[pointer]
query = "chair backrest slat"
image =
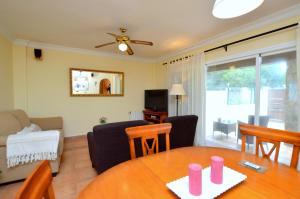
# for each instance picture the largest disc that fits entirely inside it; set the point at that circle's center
(39, 184)
(146, 133)
(274, 136)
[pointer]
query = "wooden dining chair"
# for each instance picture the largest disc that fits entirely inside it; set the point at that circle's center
(273, 136)
(147, 133)
(39, 184)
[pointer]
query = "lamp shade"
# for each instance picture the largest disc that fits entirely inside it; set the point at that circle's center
(225, 9)
(177, 89)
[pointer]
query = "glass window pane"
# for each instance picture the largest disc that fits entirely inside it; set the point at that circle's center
(278, 92)
(278, 97)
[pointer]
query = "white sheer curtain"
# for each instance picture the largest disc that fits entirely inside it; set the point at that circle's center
(189, 72)
(298, 68)
(298, 77)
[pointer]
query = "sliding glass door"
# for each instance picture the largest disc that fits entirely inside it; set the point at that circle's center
(230, 99)
(278, 91)
(261, 90)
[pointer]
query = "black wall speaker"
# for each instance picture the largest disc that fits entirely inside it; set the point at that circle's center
(38, 53)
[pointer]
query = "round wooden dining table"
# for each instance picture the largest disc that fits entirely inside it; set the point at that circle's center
(146, 177)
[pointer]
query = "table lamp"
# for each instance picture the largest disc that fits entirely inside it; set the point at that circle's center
(177, 89)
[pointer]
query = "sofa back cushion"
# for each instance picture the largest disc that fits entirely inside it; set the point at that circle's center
(22, 117)
(48, 123)
(9, 124)
(183, 130)
(110, 145)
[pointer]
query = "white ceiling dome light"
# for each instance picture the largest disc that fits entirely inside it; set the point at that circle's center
(225, 9)
(122, 47)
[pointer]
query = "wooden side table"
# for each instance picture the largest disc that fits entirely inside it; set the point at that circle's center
(155, 116)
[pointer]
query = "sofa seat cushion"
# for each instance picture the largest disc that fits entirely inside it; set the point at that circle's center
(3, 139)
(22, 117)
(9, 124)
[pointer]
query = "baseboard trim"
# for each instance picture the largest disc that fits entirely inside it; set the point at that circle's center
(75, 137)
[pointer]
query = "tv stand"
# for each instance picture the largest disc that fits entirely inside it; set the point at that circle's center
(154, 116)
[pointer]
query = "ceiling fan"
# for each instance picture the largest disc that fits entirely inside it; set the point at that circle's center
(123, 42)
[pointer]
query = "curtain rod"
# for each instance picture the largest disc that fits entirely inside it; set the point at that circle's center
(178, 59)
(225, 46)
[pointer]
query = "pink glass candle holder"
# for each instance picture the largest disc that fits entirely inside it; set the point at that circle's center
(195, 179)
(216, 172)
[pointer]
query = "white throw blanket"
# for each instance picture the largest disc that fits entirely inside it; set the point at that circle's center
(28, 147)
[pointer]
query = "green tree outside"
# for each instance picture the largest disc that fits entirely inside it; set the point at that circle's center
(271, 76)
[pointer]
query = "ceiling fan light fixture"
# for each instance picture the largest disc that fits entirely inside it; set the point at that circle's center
(123, 41)
(225, 9)
(122, 46)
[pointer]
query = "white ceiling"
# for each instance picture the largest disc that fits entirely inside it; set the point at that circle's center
(171, 24)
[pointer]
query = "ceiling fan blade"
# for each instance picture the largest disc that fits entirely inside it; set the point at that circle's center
(99, 46)
(112, 34)
(149, 43)
(129, 49)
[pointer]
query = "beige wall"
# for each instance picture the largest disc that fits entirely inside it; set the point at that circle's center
(262, 42)
(6, 82)
(161, 76)
(258, 43)
(42, 88)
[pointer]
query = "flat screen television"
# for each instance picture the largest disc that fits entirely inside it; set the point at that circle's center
(156, 100)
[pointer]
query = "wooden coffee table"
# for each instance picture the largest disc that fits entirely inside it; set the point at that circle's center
(146, 177)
